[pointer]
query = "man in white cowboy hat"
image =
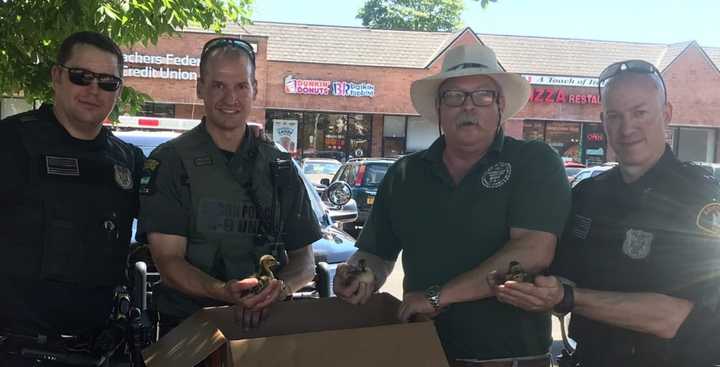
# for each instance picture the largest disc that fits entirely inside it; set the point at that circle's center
(473, 202)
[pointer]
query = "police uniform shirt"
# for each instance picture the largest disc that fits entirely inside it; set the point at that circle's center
(67, 208)
(168, 207)
(658, 234)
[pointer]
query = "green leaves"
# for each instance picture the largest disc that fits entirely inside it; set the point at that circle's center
(415, 15)
(32, 31)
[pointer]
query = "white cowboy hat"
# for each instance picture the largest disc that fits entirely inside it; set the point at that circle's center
(466, 61)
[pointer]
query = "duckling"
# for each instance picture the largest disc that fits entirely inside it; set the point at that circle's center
(361, 272)
(265, 275)
(517, 273)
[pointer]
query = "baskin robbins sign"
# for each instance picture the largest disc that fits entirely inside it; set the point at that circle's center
(340, 88)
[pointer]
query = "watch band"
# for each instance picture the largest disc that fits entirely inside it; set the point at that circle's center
(567, 303)
(432, 294)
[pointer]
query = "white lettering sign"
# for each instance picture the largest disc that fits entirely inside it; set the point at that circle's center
(568, 81)
(167, 59)
(161, 73)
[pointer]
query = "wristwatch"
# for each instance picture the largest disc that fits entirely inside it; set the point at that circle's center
(432, 294)
(568, 301)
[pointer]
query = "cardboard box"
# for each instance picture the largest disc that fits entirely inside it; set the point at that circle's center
(303, 333)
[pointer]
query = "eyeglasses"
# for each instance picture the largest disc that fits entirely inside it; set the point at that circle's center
(456, 98)
(228, 42)
(629, 66)
(79, 76)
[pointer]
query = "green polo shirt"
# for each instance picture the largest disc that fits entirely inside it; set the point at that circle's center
(445, 230)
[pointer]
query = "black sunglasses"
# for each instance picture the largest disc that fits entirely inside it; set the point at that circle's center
(106, 82)
(630, 66)
(228, 42)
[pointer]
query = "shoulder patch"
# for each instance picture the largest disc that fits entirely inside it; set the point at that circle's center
(147, 181)
(708, 219)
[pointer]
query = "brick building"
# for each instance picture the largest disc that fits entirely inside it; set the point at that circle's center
(330, 90)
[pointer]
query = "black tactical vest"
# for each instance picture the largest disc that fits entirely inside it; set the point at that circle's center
(71, 220)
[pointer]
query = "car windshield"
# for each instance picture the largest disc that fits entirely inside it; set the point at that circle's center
(374, 174)
(572, 171)
(145, 140)
(320, 168)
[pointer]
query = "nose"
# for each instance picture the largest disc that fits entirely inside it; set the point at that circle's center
(229, 96)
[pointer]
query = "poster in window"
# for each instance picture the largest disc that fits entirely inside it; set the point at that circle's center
(285, 134)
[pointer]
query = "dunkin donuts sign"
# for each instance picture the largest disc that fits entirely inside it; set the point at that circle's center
(340, 88)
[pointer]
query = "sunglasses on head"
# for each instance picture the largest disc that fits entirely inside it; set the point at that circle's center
(228, 42)
(629, 66)
(79, 76)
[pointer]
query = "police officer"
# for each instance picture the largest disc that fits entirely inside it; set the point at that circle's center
(68, 195)
(207, 202)
(640, 257)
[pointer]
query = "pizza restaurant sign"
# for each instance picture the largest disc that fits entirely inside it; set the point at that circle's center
(559, 95)
(339, 88)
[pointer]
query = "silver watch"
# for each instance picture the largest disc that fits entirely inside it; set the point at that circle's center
(432, 294)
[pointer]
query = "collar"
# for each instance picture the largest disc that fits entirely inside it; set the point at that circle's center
(666, 164)
(435, 152)
(100, 141)
(246, 148)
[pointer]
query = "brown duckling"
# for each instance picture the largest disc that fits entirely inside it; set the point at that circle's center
(517, 273)
(265, 274)
(361, 272)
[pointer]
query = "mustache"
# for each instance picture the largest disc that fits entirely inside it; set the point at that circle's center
(466, 119)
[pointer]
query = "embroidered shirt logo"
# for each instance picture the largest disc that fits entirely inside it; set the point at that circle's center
(497, 175)
(708, 219)
(637, 244)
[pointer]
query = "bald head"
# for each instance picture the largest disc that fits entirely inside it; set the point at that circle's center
(650, 83)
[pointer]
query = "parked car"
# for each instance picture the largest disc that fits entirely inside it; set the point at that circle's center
(572, 168)
(712, 168)
(316, 169)
(591, 172)
(364, 176)
(333, 248)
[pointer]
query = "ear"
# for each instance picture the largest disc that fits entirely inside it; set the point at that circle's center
(667, 114)
(501, 104)
(56, 75)
(254, 84)
(198, 88)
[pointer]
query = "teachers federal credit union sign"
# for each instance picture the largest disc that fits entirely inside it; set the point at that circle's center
(339, 88)
(167, 66)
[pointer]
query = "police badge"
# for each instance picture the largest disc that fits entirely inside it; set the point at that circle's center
(497, 175)
(637, 244)
(123, 177)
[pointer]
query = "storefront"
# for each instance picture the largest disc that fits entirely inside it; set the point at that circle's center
(344, 91)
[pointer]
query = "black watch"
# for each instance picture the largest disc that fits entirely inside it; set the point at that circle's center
(568, 301)
(432, 294)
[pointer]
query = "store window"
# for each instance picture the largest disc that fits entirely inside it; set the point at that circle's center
(394, 128)
(695, 144)
(534, 130)
(420, 134)
(284, 128)
(13, 106)
(152, 109)
(359, 135)
(564, 137)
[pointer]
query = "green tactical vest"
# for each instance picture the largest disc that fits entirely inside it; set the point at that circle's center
(224, 236)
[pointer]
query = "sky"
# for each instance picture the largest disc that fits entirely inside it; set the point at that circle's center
(651, 21)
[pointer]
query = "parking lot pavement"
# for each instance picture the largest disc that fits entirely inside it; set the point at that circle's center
(393, 285)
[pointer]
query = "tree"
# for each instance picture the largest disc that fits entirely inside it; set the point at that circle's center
(32, 32)
(415, 15)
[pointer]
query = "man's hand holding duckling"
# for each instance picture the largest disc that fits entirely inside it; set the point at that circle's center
(252, 308)
(353, 286)
(542, 295)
